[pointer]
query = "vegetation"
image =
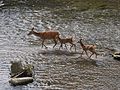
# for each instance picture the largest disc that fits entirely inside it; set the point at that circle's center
(68, 9)
(76, 4)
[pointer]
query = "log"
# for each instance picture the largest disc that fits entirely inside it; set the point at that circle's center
(116, 55)
(21, 81)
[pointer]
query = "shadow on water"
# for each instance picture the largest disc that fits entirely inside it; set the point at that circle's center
(85, 62)
(59, 52)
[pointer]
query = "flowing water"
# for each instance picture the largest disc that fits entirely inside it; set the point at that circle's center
(63, 69)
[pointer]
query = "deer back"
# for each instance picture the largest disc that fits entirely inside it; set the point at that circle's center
(49, 35)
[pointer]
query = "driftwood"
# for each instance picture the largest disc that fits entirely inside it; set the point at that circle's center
(116, 55)
(21, 81)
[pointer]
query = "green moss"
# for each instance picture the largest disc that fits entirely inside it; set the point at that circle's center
(79, 4)
(68, 9)
(94, 4)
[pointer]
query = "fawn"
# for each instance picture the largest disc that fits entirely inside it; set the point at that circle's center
(45, 35)
(86, 48)
(66, 40)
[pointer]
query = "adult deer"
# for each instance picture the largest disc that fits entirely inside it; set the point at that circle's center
(65, 41)
(46, 35)
(86, 48)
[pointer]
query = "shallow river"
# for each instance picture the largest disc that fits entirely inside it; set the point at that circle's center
(63, 69)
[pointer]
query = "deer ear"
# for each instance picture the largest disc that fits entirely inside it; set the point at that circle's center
(81, 38)
(32, 28)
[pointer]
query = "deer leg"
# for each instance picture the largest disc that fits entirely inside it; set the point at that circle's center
(55, 43)
(71, 46)
(82, 53)
(96, 54)
(43, 43)
(60, 46)
(65, 46)
(91, 55)
(75, 47)
(93, 52)
(86, 53)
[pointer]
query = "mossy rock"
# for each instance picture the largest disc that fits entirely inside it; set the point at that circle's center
(20, 70)
(16, 68)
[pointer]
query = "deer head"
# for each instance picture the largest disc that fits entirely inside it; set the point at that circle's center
(31, 32)
(80, 40)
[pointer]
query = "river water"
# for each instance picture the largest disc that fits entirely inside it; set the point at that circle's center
(63, 69)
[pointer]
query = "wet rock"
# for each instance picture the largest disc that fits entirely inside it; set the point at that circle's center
(16, 68)
(116, 55)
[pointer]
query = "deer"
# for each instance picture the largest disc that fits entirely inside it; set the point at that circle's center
(65, 41)
(46, 35)
(86, 48)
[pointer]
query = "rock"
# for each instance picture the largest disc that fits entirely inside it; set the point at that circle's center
(20, 70)
(16, 68)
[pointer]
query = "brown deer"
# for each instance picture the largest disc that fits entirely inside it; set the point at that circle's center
(66, 40)
(86, 48)
(45, 35)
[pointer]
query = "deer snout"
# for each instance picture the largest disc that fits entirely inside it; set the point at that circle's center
(29, 33)
(78, 41)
